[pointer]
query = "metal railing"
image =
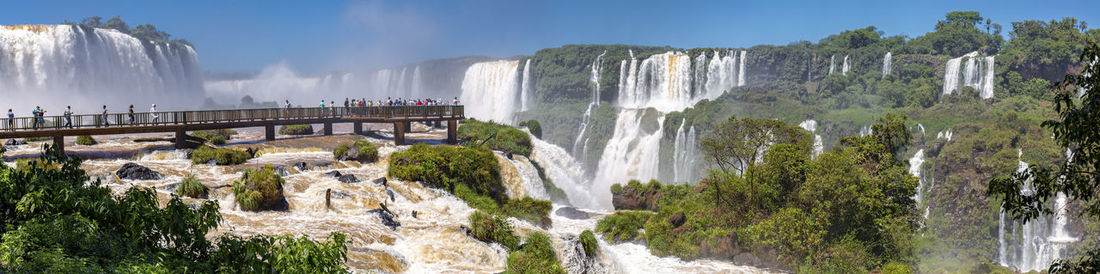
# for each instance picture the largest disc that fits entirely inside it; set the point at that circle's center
(223, 116)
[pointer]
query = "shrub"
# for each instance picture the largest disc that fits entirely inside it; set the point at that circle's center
(215, 136)
(260, 190)
(493, 228)
(191, 187)
(535, 256)
(220, 156)
(446, 167)
(532, 126)
(496, 136)
(896, 268)
(623, 225)
(85, 140)
(588, 241)
(368, 152)
(36, 139)
(529, 209)
(296, 130)
(616, 189)
(340, 152)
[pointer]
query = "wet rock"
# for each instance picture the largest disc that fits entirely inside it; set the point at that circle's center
(301, 166)
(636, 199)
(677, 220)
(172, 187)
(380, 181)
(132, 171)
(281, 170)
(465, 229)
(336, 194)
(390, 192)
(334, 173)
(509, 155)
(414, 215)
(347, 179)
(572, 213)
(14, 142)
(386, 217)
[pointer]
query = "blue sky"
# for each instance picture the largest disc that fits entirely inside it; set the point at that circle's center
(318, 36)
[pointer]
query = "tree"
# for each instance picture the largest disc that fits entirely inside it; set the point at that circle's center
(94, 21)
(117, 24)
(1078, 177)
(735, 146)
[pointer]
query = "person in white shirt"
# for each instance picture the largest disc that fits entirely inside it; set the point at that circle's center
(11, 120)
(153, 113)
(69, 116)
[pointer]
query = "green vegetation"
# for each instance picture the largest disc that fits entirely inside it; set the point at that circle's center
(296, 130)
(532, 126)
(557, 195)
(58, 220)
(493, 228)
(37, 139)
(146, 33)
(362, 151)
(624, 225)
(589, 242)
(535, 256)
(260, 190)
(191, 187)
(216, 136)
(220, 156)
(1077, 177)
(529, 209)
(496, 136)
(85, 140)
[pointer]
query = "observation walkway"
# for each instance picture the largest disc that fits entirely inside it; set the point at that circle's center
(181, 122)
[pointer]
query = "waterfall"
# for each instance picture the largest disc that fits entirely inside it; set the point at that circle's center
(699, 78)
(631, 153)
(979, 74)
(575, 260)
(915, 164)
(846, 67)
(721, 74)
(886, 63)
(525, 180)
(564, 171)
(491, 89)
(866, 130)
(417, 83)
(525, 87)
(832, 64)
(921, 128)
(819, 145)
(580, 144)
(944, 135)
(1035, 244)
(741, 70)
(684, 154)
(39, 63)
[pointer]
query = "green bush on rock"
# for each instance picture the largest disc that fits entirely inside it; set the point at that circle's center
(535, 256)
(296, 130)
(493, 228)
(589, 242)
(85, 140)
(529, 209)
(496, 136)
(191, 187)
(220, 156)
(447, 167)
(532, 126)
(260, 190)
(623, 225)
(215, 136)
(362, 151)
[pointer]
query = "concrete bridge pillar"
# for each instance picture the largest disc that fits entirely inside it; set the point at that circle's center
(408, 126)
(328, 128)
(357, 128)
(452, 132)
(59, 143)
(399, 133)
(269, 132)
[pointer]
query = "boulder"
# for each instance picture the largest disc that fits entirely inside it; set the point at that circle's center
(334, 173)
(386, 217)
(15, 142)
(636, 199)
(281, 170)
(347, 179)
(677, 220)
(301, 166)
(572, 213)
(132, 171)
(381, 181)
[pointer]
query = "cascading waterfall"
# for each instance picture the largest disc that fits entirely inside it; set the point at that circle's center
(915, 164)
(832, 64)
(741, 70)
(886, 62)
(978, 74)
(721, 74)
(525, 87)
(417, 83)
(580, 144)
(1035, 244)
(684, 154)
(39, 63)
(819, 145)
(492, 87)
(844, 70)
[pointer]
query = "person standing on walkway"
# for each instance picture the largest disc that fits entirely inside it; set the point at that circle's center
(131, 114)
(105, 122)
(153, 113)
(11, 120)
(34, 119)
(288, 104)
(69, 117)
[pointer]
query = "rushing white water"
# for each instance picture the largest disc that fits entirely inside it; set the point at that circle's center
(631, 153)
(886, 62)
(1035, 244)
(521, 179)
(844, 69)
(417, 85)
(684, 155)
(526, 93)
(663, 81)
(721, 74)
(832, 64)
(978, 74)
(39, 63)
(944, 134)
(492, 89)
(915, 164)
(580, 143)
(819, 145)
(564, 171)
(741, 72)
